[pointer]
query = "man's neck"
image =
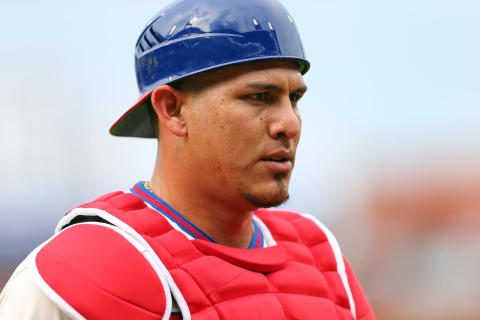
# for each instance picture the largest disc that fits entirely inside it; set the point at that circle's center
(220, 220)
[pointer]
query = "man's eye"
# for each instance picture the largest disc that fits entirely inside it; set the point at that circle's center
(262, 96)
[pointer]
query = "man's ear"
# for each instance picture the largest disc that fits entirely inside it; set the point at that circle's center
(167, 103)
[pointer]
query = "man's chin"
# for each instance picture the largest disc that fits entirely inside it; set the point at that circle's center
(267, 201)
(271, 194)
(264, 203)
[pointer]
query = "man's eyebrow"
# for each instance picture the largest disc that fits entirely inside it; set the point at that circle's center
(273, 87)
(262, 86)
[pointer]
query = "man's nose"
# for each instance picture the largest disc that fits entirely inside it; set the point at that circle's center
(286, 121)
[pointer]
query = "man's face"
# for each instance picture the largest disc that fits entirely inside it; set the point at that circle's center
(243, 131)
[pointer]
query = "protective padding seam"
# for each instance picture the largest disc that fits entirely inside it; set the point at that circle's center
(276, 297)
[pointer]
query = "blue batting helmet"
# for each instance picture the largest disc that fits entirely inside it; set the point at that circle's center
(192, 36)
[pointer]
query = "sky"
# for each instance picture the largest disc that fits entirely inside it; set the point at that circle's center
(393, 85)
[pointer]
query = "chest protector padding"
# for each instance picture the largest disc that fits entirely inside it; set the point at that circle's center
(296, 279)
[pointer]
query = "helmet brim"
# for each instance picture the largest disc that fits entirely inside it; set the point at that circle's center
(136, 122)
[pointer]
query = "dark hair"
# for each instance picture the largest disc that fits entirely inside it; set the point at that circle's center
(191, 84)
(179, 85)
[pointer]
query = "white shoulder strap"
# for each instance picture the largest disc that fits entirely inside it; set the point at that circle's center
(339, 258)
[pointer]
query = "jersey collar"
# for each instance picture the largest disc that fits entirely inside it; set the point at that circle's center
(183, 223)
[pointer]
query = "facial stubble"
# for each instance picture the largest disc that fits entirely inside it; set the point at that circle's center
(281, 196)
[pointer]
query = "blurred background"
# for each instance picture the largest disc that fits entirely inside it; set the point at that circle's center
(389, 157)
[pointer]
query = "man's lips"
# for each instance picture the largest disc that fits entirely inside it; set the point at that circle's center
(279, 161)
(279, 155)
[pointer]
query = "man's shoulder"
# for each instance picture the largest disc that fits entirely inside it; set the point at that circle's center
(124, 210)
(115, 200)
(99, 262)
(21, 297)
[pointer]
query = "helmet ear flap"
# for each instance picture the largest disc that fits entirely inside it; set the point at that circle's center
(193, 36)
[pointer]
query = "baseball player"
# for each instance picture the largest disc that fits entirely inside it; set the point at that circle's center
(220, 83)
